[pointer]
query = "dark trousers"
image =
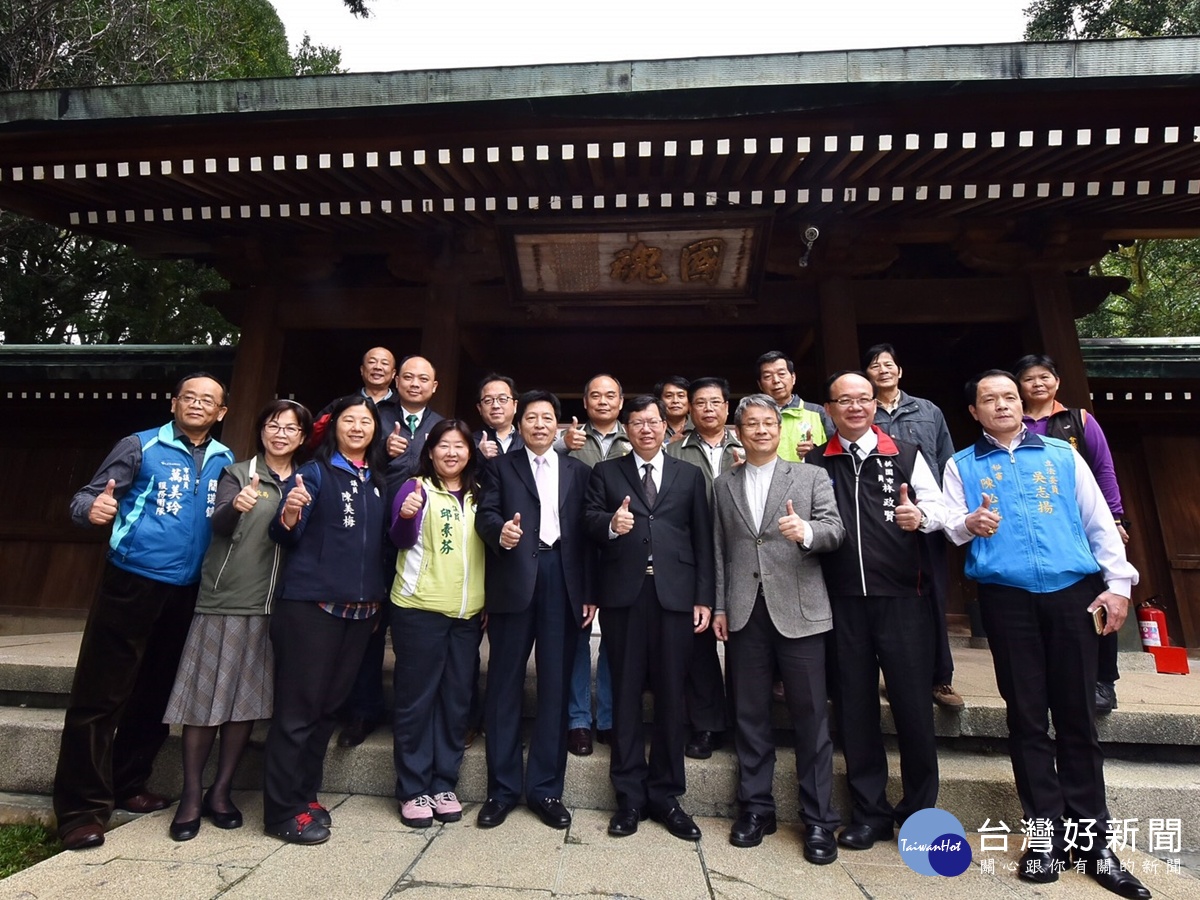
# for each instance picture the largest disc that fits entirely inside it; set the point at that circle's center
(547, 627)
(435, 663)
(114, 727)
(894, 634)
(753, 654)
(365, 700)
(1044, 651)
(316, 656)
(934, 545)
(647, 643)
(705, 689)
(1106, 662)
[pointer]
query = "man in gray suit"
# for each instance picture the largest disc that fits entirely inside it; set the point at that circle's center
(771, 519)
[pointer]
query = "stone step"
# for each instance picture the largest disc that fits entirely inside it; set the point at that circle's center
(1162, 710)
(974, 785)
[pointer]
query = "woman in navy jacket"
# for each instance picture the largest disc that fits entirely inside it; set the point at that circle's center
(333, 520)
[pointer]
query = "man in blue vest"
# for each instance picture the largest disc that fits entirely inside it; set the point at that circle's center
(157, 489)
(1053, 576)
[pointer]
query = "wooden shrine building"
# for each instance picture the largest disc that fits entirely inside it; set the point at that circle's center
(654, 218)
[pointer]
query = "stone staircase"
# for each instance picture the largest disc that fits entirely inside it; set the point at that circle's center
(1152, 742)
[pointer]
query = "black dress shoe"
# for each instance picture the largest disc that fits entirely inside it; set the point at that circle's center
(230, 819)
(1105, 869)
(551, 811)
(1106, 698)
(1040, 866)
(702, 744)
(625, 822)
(750, 827)
(678, 823)
(184, 831)
(863, 837)
(820, 846)
(144, 802)
(579, 741)
(604, 735)
(493, 813)
(84, 837)
(356, 732)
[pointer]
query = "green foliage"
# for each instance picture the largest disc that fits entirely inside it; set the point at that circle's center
(58, 286)
(358, 8)
(1051, 20)
(1163, 298)
(21, 846)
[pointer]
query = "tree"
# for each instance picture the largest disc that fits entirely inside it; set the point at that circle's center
(58, 286)
(1163, 298)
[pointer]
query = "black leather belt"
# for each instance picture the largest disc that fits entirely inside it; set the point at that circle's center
(542, 545)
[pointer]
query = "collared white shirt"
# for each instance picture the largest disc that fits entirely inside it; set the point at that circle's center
(713, 454)
(549, 529)
(758, 483)
(405, 412)
(656, 467)
(866, 443)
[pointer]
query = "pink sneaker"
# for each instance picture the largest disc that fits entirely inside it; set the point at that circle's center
(417, 812)
(446, 807)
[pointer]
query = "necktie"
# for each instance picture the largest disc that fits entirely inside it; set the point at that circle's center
(856, 450)
(648, 487)
(548, 531)
(412, 424)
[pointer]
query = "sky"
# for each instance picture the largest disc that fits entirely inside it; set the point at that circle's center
(453, 34)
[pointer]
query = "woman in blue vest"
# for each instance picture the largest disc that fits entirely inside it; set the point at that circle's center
(332, 521)
(437, 622)
(224, 677)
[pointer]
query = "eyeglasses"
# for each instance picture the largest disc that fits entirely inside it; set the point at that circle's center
(708, 404)
(193, 400)
(498, 400)
(644, 424)
(276, 428)
(847, 402)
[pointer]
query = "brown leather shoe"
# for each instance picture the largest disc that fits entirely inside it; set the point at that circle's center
(579, 741)
(946, 697)
(84, 837)
(144, 802)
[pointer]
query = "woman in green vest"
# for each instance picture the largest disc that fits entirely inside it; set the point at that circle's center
(437, 622)
(225, 674)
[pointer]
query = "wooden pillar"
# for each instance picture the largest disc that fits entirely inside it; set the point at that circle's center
(839, 325)
(255, 370)
(1054, 324)
(440, 342)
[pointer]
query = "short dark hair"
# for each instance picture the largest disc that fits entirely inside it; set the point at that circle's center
(709, 381)
(1031, 361)
(194, 375)
(836, 375)
(772, 356)
(971, 389)
(494, 376)
(273, 410)
(470, 473)
(538, 396)
(877, 350)
(643, 402)
(587, 384)
(672, 381)
(376, 454)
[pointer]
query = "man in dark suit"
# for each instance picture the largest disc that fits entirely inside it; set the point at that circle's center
(539, 584)
(773, 611)
(650, 515)
(497, 407)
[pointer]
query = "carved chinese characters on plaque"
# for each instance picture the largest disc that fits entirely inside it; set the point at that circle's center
(638, 263)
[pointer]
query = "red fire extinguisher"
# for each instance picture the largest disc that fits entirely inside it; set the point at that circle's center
(1152, 623)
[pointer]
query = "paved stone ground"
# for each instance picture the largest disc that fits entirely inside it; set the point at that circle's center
(373, 855)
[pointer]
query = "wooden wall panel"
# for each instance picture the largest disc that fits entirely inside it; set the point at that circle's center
(1173, 464)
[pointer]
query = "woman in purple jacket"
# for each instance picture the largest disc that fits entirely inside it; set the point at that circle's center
(1038, 380)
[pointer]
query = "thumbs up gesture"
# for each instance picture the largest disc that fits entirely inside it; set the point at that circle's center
(413, 502)
(908, 515)
(247, 496)
(573, 437)
(293, 506)
(792, 526)
(622, 520)
(738, 459)
(984, 521)
(510, 534)
(396, 442)
(489, 449)
(104, 507)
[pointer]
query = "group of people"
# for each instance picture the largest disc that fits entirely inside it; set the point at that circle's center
(803, 537)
